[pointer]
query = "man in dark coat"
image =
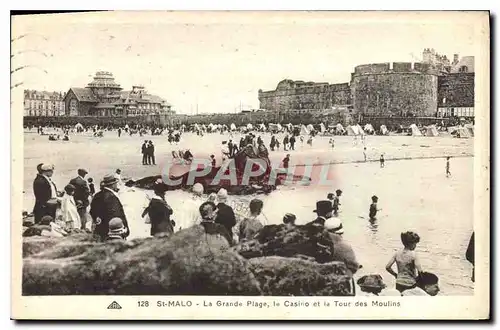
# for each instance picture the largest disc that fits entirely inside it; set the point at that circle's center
(151, 153)
(230, 148)
(144, 149)
(292, 142)
(45, 193)
(159, 213)
(225, 214)
(81, 195)
(105, 206)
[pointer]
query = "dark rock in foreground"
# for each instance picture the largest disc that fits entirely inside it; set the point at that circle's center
(189, 263)
(305, 242)
(280, 276)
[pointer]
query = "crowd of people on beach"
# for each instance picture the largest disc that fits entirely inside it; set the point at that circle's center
(80, 208)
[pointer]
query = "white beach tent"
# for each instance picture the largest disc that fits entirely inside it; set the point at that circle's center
(249, 127)
(368, 129)
(196, 127)
(340, 129)
(451, 129)
(78, 126)
(233, 127)
(322, 128)
(470, 127)
(262, 127)
(383, 130)
(360, 130)
(431, 131)
(280, 128)
(310, 128)
(415, 131)
(304, 130)
(350, 130)
(463, 132)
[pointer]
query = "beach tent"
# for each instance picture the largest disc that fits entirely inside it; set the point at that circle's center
(350, 130)
(360, 130)
(340, 129)
(310, 128)
(368, 129)
(463, 132)
(233, 127)
(322, 128)
(383, 130)
(470, 127)
(78, 126)
(451, 129)
(249, 127)
(414, 130)
(262, 127)
(196, 127)
(304, 130)
(431, 131)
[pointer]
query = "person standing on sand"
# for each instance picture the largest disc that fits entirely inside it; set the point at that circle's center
(448, 173)
(364, 153)
(407, 262)
(81, 195)
(119, 131)
(144, 150)
(292, 142)
(285, 143)
(382, 161)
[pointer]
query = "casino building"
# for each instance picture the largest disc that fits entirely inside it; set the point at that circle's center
(105, 97)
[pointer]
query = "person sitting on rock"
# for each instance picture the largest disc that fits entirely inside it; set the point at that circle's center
(289, 221)
(116, 230)
(250, 225)
(208, 212)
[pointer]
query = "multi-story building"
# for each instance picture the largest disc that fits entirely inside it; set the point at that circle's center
(104, 97)
(42, 103)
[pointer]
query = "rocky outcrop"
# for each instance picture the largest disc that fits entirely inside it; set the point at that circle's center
(188, 263)
(279, 276)
(304, 242)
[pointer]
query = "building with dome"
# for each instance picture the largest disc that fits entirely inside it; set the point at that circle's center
(104, 97)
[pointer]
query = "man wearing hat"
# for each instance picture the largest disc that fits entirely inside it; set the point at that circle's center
(159, 212)
(81, 195)
(105, 206)
(45, 193)
(324, 210)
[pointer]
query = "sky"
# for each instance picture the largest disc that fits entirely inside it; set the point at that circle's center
(213, 62)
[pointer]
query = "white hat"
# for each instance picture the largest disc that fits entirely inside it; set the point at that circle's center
(197, 188)
(222, 194)
(47, 167)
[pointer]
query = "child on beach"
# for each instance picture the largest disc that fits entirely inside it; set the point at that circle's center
(373, 209)
(407, 263)
(69, 211)
(91, 186)
(382, 161)
(448, 173)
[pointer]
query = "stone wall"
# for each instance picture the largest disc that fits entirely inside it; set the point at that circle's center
(456, 90)
(301, 95)
(400, 91)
